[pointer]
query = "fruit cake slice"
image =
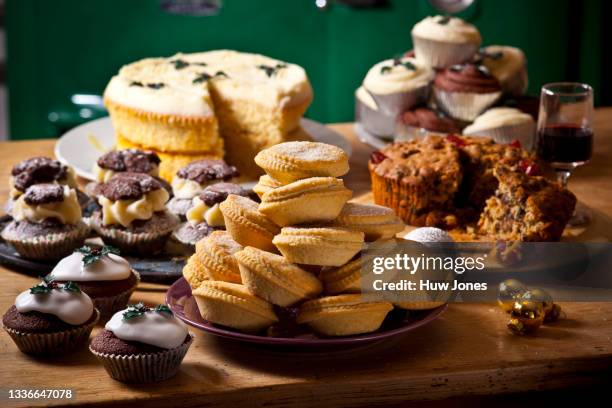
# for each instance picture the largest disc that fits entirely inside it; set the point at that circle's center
(526, 208)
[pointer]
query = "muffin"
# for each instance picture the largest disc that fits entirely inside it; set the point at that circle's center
(508, 65)
(50, 319)
(133, 217)
(102, 274)
(418, 179)
(205, 216)
(419, 122)
(192, 179)
(389, 88)
(46, 222)
(504, 125)
(465, 91)
(142, 344)
(441, 41)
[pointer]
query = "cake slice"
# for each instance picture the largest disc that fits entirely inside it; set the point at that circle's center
(526, 208)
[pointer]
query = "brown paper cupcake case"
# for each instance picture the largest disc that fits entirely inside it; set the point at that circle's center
(52, 246)
(40, 343)
(110, 305)
(140, 368)
(441, 54)
(144, 243)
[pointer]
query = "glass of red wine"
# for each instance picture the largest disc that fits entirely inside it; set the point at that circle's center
(565, 133)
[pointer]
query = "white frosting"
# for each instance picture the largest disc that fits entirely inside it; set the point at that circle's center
(103, 175)
(181, 96)
(154, 328)
(366, 98)
(109, 267)
(498, 117)
(428, 234)
(67, 211)
(397, 78)
(200, 212)
(71, 307)
(455, 31)
(511, 62)
(123, 212)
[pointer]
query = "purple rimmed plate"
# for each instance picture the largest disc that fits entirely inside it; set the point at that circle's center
(398, 322)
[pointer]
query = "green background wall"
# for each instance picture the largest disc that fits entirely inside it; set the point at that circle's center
(64, 47)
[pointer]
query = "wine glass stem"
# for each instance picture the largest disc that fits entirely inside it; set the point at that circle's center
(562, 177)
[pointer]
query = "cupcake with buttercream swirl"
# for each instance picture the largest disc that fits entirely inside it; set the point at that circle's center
(464, 91)
(508, 65)
(389, 88)
(504, 125)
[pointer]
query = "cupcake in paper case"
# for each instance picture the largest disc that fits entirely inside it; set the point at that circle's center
(508, 65)
(465, 91)
(133, 217)
(422, 121)
(442, 41)
(504, 125)
(107, 278)
(47, 222)
(192, 179)
(389, 88)
(141, 344)
(51, 319)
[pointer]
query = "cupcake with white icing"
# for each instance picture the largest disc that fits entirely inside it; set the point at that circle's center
(133, 217)
(142, 344)
(106, 277)
(51, 318)
(508, 65)
(389, 88)
(504, 125)
(47, 222)
(442, 41)
(192, 179)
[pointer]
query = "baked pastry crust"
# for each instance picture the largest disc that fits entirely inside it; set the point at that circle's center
(246, 224)
(292, 161)
(375, 221)
(232, 305)
(272, 278)
(344, 279)
(265, 184)
(315, 199)
(343, 315)
(324, 246)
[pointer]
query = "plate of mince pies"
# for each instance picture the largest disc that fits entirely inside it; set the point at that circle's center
(286, 270)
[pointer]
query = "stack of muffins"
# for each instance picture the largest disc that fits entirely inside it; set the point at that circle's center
(446, 83)
(297, 250)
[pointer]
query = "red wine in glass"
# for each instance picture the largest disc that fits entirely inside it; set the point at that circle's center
(565, 145)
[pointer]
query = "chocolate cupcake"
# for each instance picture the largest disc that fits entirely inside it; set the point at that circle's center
(192, 179)
(504, 125)
(46, 222)
(508, 65)
(130, 160)
(389, 88)
(204, 216)
(141, 344)
(133, 217)
(106, 277)
(420, 122)
(442, 41)
(50, 318)
(465, 91)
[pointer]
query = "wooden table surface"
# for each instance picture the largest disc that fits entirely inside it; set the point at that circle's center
(468, 351)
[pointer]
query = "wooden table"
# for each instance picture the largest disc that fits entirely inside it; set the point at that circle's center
(467, 352)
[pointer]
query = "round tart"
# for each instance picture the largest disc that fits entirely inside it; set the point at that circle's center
(141, 344)
(315, 199)
(246, 224)
(441, 41)
(133, 216)
(345, 279)
(272, 278)
(265, 184)
(47, 222)
(232, 305)
(343, 315)
(375, 221)
(292, 161)
(51, 319)
(102, 274)
(327, 246)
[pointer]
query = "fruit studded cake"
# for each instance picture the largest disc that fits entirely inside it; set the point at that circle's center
(209, 104)
(453, 181)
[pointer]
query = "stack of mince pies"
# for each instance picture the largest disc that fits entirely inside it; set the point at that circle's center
(296, 251)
